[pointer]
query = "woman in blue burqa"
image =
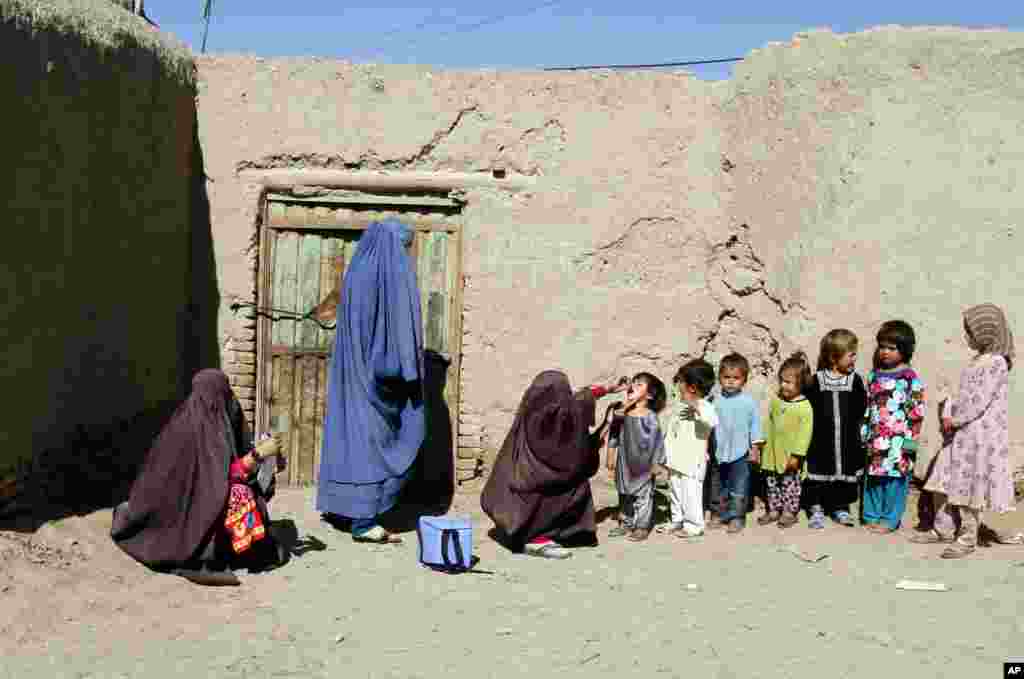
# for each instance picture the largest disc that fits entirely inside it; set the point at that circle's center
(374, 423)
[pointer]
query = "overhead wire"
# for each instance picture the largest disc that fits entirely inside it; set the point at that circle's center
(475, 25)
(665, 64)
(498, 18)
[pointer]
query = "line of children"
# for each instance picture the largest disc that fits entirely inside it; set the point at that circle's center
(827, 435)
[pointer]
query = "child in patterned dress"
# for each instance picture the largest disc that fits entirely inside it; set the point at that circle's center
(892, 427)
(973, 473)
(788, 434)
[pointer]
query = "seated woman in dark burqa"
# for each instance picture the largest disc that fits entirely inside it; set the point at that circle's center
(375, 421)
(195, 508)
(538, 494)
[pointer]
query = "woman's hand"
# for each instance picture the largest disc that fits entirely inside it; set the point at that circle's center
(617, 387)
(792, 464)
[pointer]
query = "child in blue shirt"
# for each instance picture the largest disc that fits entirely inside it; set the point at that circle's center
(738, 441)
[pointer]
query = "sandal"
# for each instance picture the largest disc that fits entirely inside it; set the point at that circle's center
(929, 538)
(1017, 539)
(639, 535)
(957, 550)
(378, 536)
(547, 550)
(208, 578)
(844, 519)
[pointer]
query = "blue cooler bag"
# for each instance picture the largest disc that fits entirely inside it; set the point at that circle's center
(446, 543)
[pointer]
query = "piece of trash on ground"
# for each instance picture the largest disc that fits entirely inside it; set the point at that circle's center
(915, 586)
(805, 557)
(692, 587)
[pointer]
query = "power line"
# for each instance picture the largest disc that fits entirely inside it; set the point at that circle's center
(661, 65)
(482, 23)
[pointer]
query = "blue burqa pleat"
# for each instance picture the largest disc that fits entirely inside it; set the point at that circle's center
(374, 423)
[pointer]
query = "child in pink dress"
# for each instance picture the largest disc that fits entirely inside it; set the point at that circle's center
(972, 472)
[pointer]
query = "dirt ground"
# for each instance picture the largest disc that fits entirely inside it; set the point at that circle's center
(73, 605)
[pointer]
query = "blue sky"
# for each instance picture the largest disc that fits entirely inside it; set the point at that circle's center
(534, 33)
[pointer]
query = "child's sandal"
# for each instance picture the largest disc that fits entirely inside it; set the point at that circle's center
(639, 535)
(787, 520)
(957, 551)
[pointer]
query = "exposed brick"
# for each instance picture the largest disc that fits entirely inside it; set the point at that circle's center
(469, 453)
(243, 380)
(470, 466)
(243, 345)
(247, 393)
(469, 441)
(245, 357)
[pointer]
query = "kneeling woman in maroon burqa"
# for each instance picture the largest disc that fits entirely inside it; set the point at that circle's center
(195, 508)
(538, 494)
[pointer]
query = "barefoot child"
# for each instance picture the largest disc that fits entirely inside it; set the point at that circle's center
(687, 429)
(633, 453)
(892, 427)
(738, 441)
(972, 474)
(835, 459)
(788, 435)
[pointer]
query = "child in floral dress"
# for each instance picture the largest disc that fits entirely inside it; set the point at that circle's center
(892, 427)
(972, 474)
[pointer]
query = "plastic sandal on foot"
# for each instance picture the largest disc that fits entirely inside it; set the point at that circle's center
(929, 538)
(548, 550)
(378, 536)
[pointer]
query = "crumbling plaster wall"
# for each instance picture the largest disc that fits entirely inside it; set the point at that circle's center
(835, 181)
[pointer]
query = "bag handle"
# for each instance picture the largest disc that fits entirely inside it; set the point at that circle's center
(446, 538)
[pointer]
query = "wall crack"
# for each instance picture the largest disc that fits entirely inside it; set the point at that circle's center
(367, 160)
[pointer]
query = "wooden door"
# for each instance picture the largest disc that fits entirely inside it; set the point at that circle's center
(305, 266)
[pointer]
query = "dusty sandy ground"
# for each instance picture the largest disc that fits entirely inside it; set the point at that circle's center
(74, 606)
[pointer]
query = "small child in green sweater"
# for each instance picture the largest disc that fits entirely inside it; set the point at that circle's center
(788, 435)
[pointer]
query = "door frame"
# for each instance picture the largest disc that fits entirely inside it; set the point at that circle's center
(355, 211)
